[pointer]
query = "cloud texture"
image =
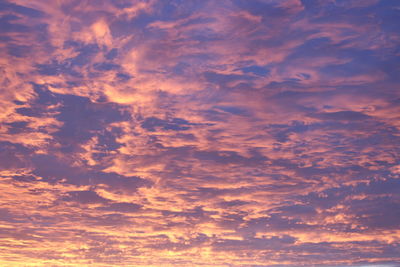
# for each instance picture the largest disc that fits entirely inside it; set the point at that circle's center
(199, 133)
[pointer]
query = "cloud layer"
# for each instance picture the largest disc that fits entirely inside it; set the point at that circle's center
(199, 133)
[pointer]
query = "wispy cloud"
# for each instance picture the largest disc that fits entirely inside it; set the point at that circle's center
(199, 133)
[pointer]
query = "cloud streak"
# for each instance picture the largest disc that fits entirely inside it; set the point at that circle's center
(199, 133)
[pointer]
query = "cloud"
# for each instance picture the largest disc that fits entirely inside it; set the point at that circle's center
(188, 133)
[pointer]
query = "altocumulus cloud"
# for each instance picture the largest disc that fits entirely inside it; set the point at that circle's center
(199, 133)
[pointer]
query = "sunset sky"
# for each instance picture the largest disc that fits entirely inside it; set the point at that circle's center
(187, 133)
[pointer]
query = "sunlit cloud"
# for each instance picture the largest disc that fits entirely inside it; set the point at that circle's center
(199, 133)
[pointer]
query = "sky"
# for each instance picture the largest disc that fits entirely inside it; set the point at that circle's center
(226, 133)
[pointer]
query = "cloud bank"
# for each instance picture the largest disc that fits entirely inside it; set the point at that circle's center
(199, 133)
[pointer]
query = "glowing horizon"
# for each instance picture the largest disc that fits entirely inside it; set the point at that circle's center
(200, 133)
